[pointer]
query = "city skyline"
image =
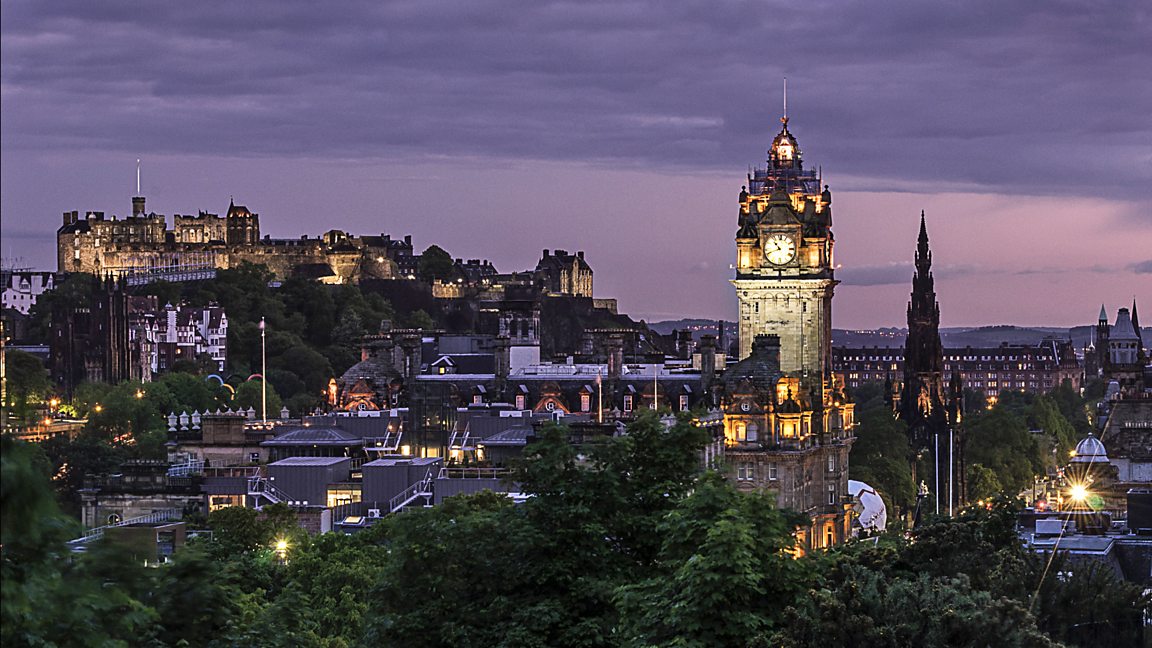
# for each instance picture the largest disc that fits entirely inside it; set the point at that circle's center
(623, 130)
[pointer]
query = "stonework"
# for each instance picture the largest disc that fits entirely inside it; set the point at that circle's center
(143, 244)
(787, 423)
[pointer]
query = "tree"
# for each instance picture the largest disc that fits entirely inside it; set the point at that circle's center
(28, 382)
(880, 457)
(866, 609)
(435, 263)
(419, 319)
(982, 483)
(250, 395)
(724, 565)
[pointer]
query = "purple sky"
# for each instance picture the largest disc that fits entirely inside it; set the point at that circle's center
(624, 129)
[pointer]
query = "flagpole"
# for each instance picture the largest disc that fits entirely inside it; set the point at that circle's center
(263, 376)
(936, 476)
(951, 464)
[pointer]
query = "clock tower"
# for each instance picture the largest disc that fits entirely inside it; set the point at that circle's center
(787, 422)
(784, 273)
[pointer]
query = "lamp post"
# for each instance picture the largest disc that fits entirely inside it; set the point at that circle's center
(263, 376)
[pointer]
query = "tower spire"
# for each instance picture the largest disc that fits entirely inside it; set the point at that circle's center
(137, 176)
(785, 100)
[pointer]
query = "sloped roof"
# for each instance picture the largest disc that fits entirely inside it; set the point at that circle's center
(315, 436)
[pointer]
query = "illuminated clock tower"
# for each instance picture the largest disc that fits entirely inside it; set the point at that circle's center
(784, 272)
(787, 422)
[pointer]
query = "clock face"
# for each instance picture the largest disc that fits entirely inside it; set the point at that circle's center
(779, 249)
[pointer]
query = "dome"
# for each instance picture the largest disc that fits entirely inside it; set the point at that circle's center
(1090, 450)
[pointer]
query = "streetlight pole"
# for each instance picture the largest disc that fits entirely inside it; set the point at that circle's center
(936, 475)
(263, 376)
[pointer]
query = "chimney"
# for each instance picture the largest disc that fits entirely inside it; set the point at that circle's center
(545, 253)
(408, 240)
(138, 206)
(580, 254)
(707, 361)
(767, 347)
(615, 356)
(503, 354)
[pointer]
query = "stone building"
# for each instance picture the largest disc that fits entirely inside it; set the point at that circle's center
(1118, 352)
(90, 339)
(560, 273)
(142, 245)
(787, 422)
(991, 370)
(22, 287)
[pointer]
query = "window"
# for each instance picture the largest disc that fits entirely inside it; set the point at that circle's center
(585, 402)
(773, 471)
(628, 402)
(477, 399)
(683, 402)
(831, 494)
(745, 472)
(831, 463)
(829, 537)
(520, 401)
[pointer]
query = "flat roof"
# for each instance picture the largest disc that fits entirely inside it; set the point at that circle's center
(310, 461)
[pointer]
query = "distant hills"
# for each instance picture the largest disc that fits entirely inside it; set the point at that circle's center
(952, 337)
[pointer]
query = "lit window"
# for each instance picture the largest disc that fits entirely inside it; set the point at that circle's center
(831, 463)
(831, 494)
(628, 403)
(684, 403)
(585, 402)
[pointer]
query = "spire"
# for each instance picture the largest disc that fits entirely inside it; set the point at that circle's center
(784, 119)
(1104, 314)
(923, 253)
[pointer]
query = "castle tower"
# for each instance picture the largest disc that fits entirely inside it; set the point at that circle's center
(922, 397)
(242, 227)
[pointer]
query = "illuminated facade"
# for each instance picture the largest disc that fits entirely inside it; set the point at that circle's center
(788, 426)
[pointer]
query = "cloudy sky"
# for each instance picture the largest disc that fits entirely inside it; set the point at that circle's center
(498, 128)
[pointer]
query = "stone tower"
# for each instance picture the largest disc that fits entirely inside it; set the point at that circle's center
(787, 424)
(784, 272)
(923, 397)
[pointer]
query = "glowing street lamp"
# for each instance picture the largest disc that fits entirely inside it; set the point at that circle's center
(1078, 493)
(281, 548)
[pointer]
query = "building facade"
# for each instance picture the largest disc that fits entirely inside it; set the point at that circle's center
(22, 287)
(990, 370)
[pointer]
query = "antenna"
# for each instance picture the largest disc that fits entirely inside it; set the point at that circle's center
(137, 176)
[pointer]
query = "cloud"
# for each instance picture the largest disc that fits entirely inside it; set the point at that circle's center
(1025, 97)
(1143, 267)
(877, 275)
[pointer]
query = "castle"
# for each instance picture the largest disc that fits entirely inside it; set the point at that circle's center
(141, 246)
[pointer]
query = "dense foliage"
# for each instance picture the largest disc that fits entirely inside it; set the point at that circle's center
(623, 543)
(1007, 444)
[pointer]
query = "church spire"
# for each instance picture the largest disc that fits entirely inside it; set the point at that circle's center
(1104, 314)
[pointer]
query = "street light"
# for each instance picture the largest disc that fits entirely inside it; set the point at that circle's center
(1078, 493)
(281, 548)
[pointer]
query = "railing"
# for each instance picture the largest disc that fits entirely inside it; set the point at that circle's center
(190, 467)
(260, 487)
(459, 439)
(418, 489)
(390, 442)
(96, 533)
(473, 472)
